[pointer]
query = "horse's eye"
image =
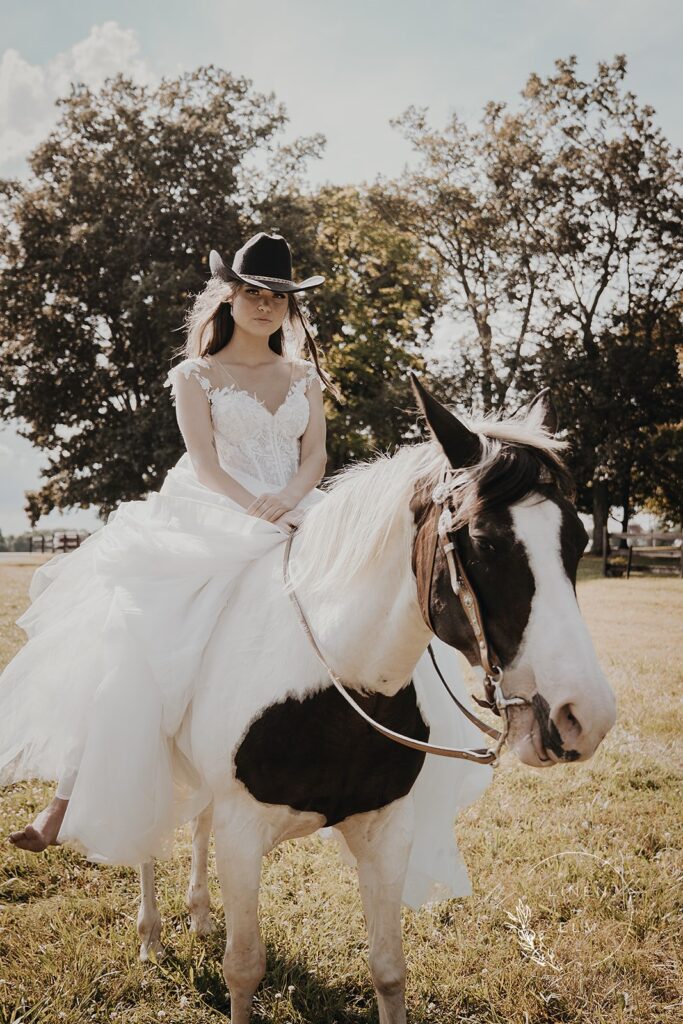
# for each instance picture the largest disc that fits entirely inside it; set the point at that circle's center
(484, 544)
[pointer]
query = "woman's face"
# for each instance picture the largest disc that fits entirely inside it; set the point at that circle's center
(258, 310)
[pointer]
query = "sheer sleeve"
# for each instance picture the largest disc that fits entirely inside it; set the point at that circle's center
(310, 375)
(190, 391)
(188, 367)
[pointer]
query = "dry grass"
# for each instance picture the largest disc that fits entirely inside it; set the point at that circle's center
(577, 878)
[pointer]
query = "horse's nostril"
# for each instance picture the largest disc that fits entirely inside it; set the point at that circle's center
(568, 725)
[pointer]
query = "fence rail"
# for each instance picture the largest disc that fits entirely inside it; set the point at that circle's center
(58, 540)
(668, 552)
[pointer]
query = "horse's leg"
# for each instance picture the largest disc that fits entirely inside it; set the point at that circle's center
(198, 890)
(239, 852)
(380, 842)
(149, 918)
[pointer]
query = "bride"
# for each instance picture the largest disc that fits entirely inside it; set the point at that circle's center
(116, 628)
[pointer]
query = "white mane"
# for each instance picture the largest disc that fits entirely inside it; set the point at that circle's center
(349, 531)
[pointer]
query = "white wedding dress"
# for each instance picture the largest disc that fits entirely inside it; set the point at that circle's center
(116, 631)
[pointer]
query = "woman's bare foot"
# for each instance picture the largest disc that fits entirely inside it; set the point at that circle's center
(44, 830)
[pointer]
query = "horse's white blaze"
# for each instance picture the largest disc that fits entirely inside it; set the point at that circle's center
(556, 656)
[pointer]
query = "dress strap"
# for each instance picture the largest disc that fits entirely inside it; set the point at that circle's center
(226, 371)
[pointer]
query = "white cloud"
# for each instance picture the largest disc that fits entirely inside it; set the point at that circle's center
(28, 91)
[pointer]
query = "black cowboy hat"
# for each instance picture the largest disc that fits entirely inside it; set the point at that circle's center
(264, 261)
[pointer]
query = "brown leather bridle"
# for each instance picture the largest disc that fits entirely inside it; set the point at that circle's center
(443, 534)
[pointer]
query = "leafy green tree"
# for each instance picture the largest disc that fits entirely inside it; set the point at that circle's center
(558, 229)
(374, 316)
(491, 269)
(665, 498)
(609, 217)
(104, 247)
(619, 405)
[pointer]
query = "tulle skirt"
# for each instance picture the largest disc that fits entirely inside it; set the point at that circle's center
(116, 631)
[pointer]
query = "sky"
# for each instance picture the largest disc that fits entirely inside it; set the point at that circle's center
(343, 69)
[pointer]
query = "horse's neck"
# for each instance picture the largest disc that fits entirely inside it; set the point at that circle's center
(373, 634)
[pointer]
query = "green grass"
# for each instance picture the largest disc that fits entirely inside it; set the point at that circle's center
(577, 875)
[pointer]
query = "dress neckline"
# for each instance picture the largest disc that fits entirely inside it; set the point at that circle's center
(236, 386)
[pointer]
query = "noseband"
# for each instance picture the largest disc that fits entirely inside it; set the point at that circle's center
(445, 536)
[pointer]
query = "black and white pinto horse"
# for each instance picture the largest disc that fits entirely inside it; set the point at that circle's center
(283, 754)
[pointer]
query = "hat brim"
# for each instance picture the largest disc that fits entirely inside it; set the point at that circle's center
(220, 269)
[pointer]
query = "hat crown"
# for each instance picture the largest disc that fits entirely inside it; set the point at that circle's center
(264, 255)
(264, 260)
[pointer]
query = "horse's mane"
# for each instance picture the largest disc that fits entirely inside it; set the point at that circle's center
(348, 532)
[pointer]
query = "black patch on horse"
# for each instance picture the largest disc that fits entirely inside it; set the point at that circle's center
(573, 540)
(317, 754)
(496, 563)
(550, 735)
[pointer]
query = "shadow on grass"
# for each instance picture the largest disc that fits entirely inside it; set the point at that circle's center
(590, 568)
(289, 989)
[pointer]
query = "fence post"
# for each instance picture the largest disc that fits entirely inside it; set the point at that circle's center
(604, 551)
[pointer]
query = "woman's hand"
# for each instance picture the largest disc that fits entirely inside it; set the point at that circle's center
(270, 506)
(290, 520)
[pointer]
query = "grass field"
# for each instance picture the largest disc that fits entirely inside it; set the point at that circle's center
(577, 876)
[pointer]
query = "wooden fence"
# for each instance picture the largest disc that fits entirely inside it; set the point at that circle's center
(662, 550)
(58, 540)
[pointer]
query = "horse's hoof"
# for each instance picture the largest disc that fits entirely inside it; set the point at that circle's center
(152, 950)
(202, 924)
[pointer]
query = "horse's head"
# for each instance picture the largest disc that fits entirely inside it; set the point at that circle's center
(519, 540)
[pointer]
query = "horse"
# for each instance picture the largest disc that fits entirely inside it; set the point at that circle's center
(283, 754)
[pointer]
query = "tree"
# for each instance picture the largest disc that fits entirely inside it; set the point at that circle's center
(559, 231)
(373, 316)
(101, 251)
(665, 452)
(491, 269)
(611, 224)
(619, 405)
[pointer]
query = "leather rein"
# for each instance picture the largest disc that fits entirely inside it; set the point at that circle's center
(445, 537)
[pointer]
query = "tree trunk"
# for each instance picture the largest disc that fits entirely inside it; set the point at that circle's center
(626, 504)
(600, 514)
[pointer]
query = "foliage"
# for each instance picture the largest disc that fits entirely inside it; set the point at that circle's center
(373, 315)
(558, 231)
(612, 226)
(490, 270)
(665, 498)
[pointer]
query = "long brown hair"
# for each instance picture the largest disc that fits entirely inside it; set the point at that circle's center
(209, 326)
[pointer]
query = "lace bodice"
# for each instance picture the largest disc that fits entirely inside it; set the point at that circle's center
(248, 436)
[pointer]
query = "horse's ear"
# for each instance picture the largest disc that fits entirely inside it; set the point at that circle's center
(549, 418)
(461, 446)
